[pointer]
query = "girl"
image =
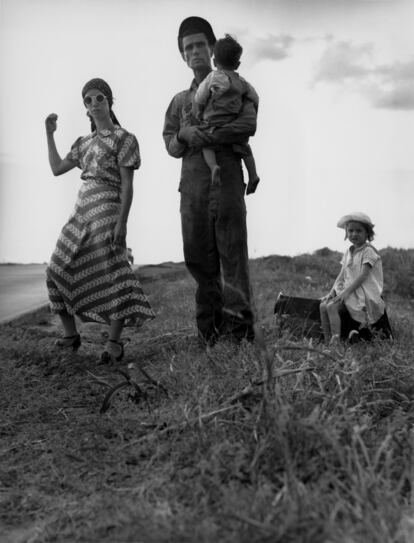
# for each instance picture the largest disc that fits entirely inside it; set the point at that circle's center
(89, 274)
(359, 284)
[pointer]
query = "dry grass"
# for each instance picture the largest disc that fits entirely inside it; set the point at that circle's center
(320, 453)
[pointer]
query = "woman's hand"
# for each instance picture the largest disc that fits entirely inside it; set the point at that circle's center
(119, 237)
(50, 123)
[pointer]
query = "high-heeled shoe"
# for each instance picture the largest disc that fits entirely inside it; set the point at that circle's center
(69, 342)
(107, 356)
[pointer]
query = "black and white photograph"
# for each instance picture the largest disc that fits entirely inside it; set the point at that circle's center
(206, 271)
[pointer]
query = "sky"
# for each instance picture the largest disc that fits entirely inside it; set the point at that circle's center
(335, 125)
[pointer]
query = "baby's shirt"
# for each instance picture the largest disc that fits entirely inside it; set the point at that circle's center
(216, 82)
(221, 95)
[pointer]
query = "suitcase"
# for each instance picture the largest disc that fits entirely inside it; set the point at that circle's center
(300, 316)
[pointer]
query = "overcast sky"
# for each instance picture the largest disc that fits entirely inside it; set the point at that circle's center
(335, 128)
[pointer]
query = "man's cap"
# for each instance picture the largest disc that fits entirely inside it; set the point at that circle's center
(195, 25)
(357, 216)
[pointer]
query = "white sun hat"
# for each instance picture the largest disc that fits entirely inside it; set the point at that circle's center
(357, 216)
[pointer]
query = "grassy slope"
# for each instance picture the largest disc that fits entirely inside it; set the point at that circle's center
(324, 454)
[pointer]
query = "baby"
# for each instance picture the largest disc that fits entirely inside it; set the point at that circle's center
(219, 99)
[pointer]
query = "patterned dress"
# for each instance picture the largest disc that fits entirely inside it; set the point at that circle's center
(88, 276)
(365, 304)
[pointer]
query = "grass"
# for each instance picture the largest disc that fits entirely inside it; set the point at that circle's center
(320, 453)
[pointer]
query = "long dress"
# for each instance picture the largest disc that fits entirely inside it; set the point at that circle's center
(88, 276)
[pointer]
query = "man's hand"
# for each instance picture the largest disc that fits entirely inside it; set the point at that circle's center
(252, 186)
(193, 136)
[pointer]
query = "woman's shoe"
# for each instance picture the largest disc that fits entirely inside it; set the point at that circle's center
(110, 352)
(69, 342)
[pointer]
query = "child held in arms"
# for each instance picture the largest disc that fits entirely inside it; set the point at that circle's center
(219, 99)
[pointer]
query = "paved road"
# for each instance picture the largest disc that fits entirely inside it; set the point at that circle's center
(22, 289)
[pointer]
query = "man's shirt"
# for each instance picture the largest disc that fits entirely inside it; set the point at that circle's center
(179, 115)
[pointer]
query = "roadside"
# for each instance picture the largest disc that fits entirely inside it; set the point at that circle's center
(193, 447)
(23, 286)
(22, 290)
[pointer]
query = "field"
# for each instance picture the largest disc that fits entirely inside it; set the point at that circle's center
(285, 441)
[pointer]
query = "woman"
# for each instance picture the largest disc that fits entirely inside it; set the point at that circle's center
(89, 274)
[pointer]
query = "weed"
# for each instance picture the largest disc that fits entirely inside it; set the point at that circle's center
(285, 441)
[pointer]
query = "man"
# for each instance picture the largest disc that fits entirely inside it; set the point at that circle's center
(213, 217)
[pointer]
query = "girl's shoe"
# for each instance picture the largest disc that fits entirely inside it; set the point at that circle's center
(69, 342)
(112, 352)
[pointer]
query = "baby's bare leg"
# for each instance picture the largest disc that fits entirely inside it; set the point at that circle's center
(250, 164)
(254, 179)
(210, 158)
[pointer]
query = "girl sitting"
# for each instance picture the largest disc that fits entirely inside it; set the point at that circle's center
(358, 288)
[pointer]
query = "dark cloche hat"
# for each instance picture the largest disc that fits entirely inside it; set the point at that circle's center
(195, 25)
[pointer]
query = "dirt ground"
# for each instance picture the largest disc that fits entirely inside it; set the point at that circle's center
(64, 467)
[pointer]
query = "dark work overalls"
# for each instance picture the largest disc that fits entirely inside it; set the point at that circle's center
(213, 220)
